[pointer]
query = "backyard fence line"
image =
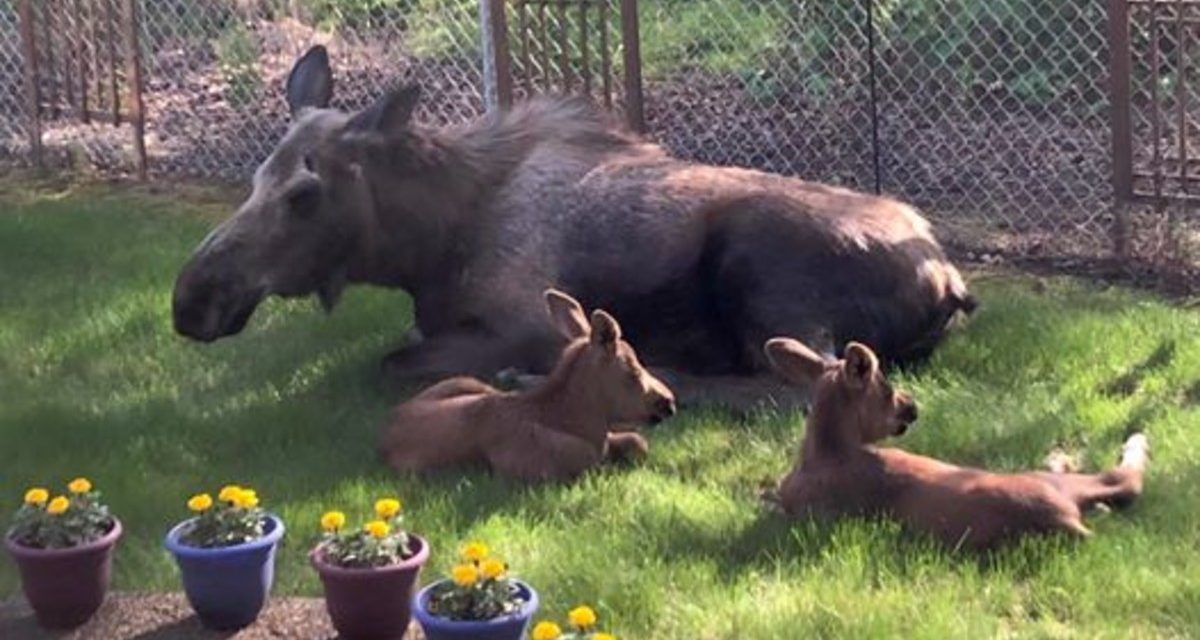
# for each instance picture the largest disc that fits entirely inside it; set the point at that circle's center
(994, 118)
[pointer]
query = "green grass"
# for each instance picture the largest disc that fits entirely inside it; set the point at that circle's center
(93, 382)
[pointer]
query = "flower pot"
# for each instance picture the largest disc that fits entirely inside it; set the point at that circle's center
(509, 627)
(227, 586)
(65, 587)
(371, 604)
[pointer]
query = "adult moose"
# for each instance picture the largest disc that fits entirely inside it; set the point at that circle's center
(701, 263)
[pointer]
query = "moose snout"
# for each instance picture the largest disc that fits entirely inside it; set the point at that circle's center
(662, 406)
(906, 414)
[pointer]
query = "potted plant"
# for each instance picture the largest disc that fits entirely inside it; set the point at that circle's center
(369, 573)
(63, 548)
(479, 601)
(582, 625)
(226, 556)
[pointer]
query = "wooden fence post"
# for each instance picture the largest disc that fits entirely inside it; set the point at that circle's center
(632, 38)
(32, 91)
(1119, 79)
(497, 70)
(133, 77)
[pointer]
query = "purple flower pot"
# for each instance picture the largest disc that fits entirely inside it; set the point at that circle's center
(510, 627)
(227, 586)
(371, 604)
(65, 587)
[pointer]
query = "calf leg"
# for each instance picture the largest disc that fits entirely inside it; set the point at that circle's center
(466, 353)
(1117, 487)
(625, 446)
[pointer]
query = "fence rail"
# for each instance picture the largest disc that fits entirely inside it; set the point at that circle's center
(997, 118)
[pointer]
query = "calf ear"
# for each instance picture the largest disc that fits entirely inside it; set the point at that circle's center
(606, 331)
(859, 365)
(795, 361)
(310, 84)
(567, 315)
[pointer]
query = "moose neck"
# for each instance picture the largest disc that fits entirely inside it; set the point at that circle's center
(422, 225)
(826, 432)
(567, 400)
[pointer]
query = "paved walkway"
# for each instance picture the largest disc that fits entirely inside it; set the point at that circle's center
(166, 616)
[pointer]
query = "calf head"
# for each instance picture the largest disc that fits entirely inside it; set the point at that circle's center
(850, 395)
(607, 366)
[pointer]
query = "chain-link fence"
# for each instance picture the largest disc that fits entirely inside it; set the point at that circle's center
(993, 117)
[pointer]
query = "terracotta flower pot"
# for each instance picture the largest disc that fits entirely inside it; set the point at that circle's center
(65, 587)
(227, 586)
(375, 603)
(509, 627)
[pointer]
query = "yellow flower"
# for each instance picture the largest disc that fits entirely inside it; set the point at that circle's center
(387, 507)
(333, 520)
(475, 551)
(582, 617)
(80, 485)
(377, 528)
(58, 506)
(245, 499)
(229, 493)
(546, 630)
(37, 496)
(465, 575)
(200, 502)
(492, 568)
(603, 636)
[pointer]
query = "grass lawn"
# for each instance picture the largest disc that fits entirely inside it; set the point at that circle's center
(94, 382)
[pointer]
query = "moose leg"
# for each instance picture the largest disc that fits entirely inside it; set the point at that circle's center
(625, 446)
(450, 354)
(741, 394)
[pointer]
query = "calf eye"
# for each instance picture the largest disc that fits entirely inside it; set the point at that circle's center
(304, 200)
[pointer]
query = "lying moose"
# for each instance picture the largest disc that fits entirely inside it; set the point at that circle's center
(841, 472)
(701, 263)
(555, 431)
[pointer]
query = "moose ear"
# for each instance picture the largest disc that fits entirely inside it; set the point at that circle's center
(567, 315)
(310, 84)
(606, 331)
(794, 360)
(392, 112)
(860, 365)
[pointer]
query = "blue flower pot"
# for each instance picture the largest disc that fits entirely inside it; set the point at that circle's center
(227, 586)
(510, 627)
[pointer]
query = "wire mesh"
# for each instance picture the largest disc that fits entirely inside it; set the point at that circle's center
(990, 116)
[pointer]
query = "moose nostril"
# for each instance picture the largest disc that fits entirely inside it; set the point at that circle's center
(909, 413)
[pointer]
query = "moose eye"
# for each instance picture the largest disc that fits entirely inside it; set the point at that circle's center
(304, 200)
(309, 164)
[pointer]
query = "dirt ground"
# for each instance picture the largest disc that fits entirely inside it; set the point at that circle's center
(128, 616)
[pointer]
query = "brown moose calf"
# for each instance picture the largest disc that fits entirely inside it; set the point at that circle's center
(840, 472)
(556, 430)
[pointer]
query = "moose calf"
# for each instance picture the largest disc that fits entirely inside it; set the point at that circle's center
(840, 472)
(554, 431)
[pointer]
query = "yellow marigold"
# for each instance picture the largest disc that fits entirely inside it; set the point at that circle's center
(474, 551)
(582, 617)
(80, 485)
(58, 505)
(387, 507)
(465, 575)
(377, 528)
(603, 636)
(245, 499)
(37, 496)
(546, 630)
(492, 568)
(333, 520)
(229, 492)
(200, 502)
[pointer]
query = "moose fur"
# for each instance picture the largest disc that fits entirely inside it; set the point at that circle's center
(701, 263)
(841, 472)
(554, 431)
